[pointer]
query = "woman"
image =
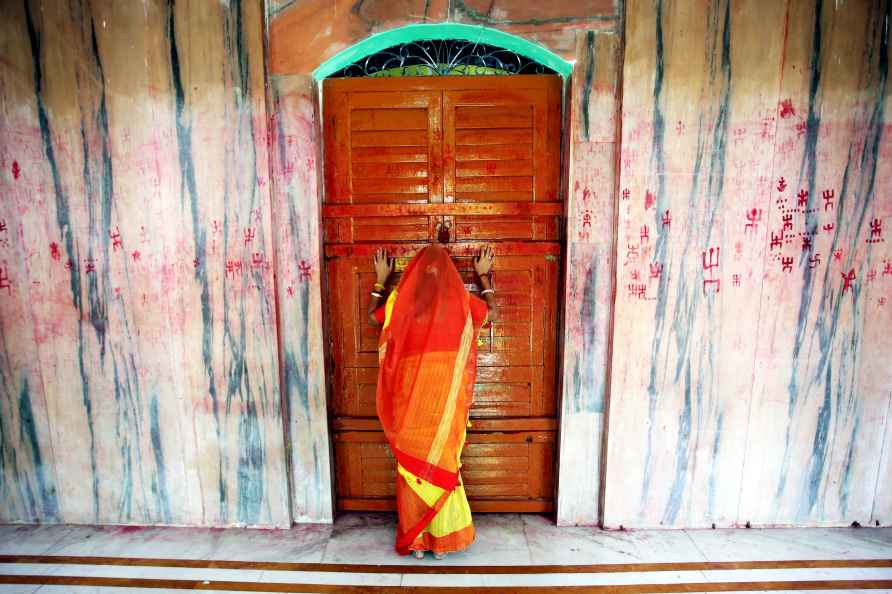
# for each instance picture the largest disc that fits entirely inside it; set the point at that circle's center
(427, 357)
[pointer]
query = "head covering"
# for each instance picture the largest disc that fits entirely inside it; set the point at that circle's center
(427, 367)
(427, 358)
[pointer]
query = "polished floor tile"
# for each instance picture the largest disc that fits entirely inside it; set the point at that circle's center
(497, 580)
(128, 541)
(793, 543)
(363, 538)
(15, 589)
(25, 568)
(551, 545)
(805, 575)
(19, 539)
(156, 573)
(502, 539)
(332, 578)
(302, 544)
(369, 538)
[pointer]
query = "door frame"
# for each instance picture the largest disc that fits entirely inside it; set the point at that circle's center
(575, 502)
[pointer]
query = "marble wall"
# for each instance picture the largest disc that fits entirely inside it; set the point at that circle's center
(728, 296)
(750, 379)
(590, 150)
(139, 369)
(296, 200)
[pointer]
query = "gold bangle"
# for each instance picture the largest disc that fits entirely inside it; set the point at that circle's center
(379, 286)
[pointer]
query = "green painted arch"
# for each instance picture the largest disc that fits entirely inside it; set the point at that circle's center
(409, 33)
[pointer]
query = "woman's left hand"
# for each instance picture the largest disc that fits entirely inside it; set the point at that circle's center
(483, 262)
(384, 265)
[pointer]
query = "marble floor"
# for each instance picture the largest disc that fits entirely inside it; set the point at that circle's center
(590, 557)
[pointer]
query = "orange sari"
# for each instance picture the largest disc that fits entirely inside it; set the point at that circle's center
(427, 357)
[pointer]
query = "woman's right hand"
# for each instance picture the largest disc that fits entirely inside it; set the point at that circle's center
(483, 262)
(383, 265)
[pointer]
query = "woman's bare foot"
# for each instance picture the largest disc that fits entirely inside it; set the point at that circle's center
(439, 556)
(418, 554)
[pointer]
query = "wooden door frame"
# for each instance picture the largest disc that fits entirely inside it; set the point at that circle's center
(568, 72)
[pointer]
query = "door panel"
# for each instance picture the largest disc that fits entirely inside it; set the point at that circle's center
(389, 118)
(396, 137)
(512, 469)
(504, 391)
(525, 289)
(472, 161)
(378, 229)
(467, 141)
(501, 144)
(476, 228)
(483, 149)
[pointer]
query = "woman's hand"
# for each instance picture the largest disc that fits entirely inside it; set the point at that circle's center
(483, 262)
(383, 265)
(482, 265)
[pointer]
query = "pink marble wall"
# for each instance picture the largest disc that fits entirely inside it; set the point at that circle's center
(162, 353)
(750, 378)
(590, 156)
(296, 200)
(139, 374)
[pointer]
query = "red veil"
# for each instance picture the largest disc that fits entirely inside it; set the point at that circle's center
(427, 358)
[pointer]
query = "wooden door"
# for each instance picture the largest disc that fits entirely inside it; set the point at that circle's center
(405, 158)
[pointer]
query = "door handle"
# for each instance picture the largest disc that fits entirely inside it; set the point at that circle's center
(443, 235)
